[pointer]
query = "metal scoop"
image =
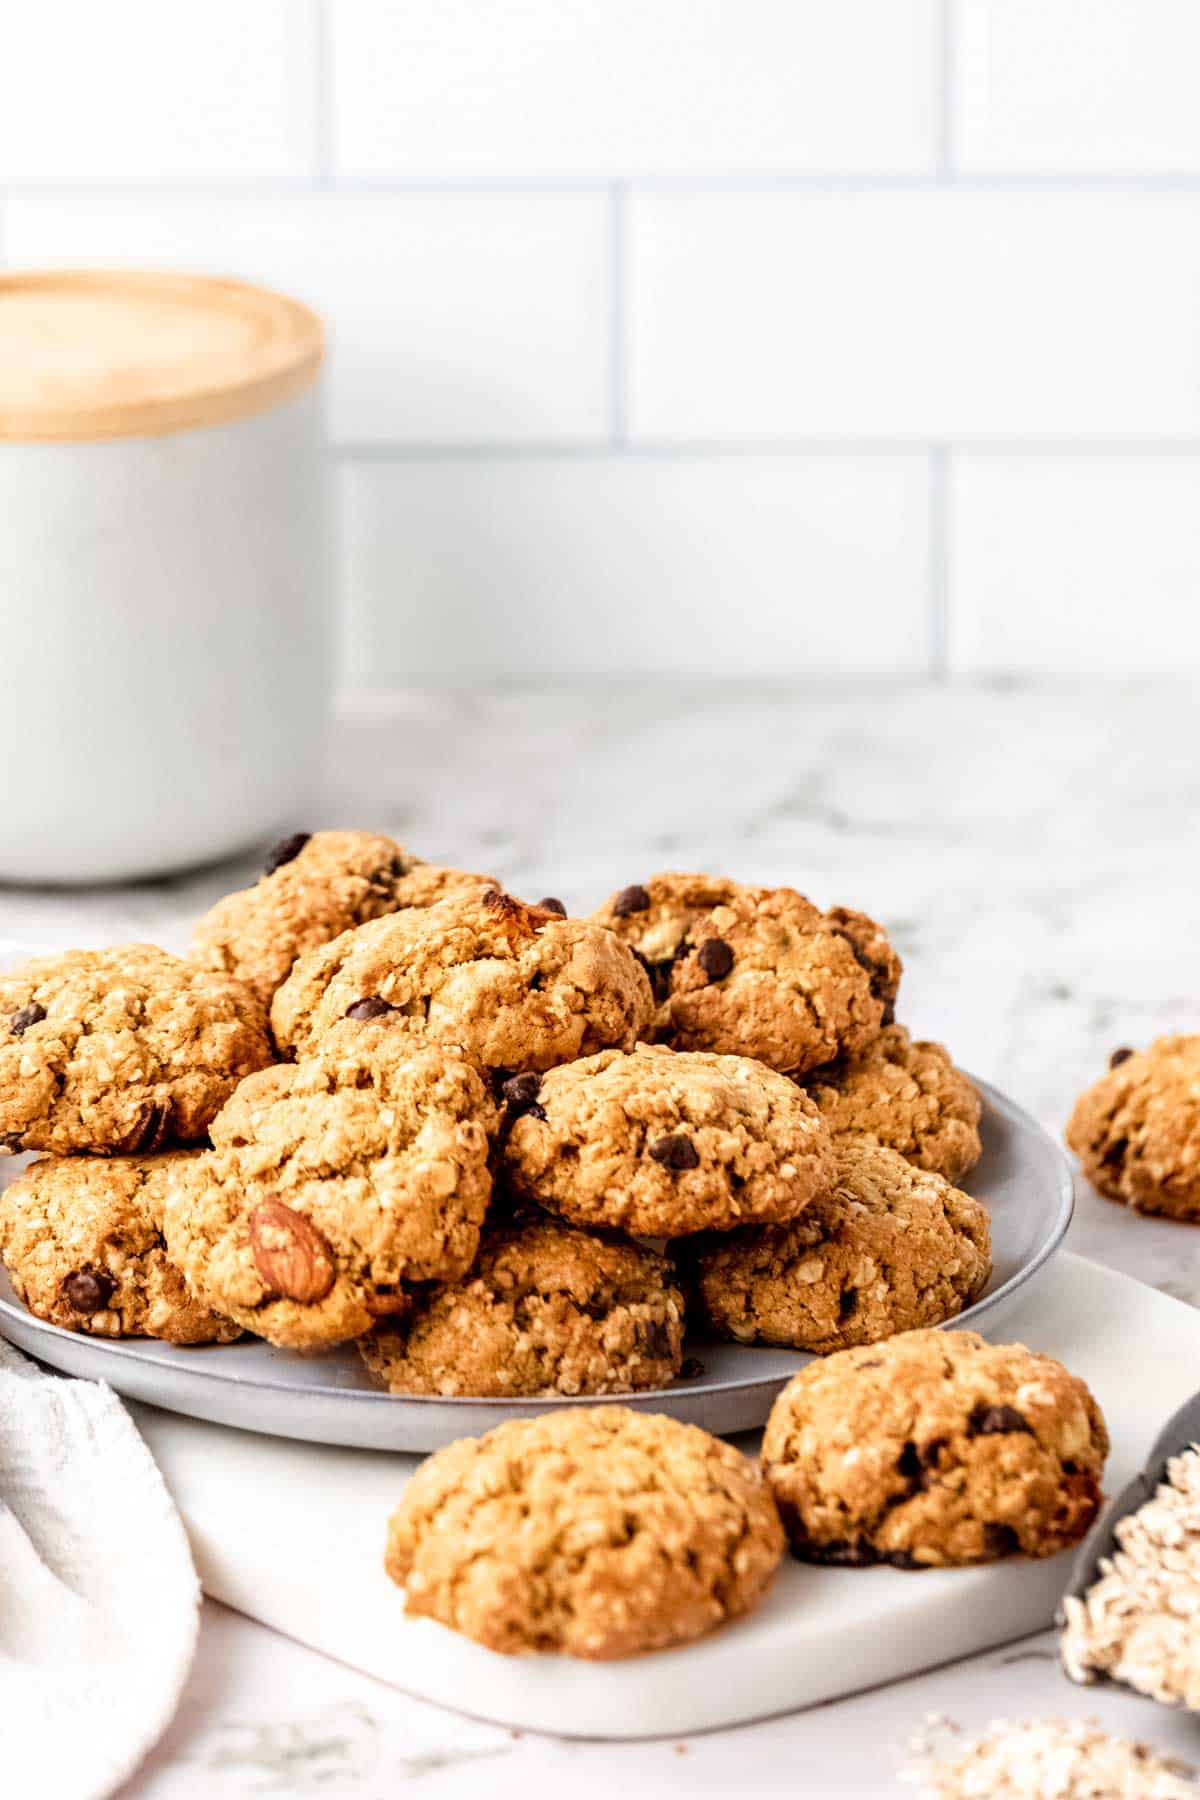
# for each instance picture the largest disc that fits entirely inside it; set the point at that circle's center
(1180, 1432)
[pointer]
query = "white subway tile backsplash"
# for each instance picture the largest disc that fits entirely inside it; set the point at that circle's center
(722, 566)
(614, 87)
(454, 316)
(1076, 85)
(935, 313)
(137, 90)
(1075, 565)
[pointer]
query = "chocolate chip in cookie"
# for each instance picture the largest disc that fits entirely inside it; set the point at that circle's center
(676, 1152)
(285, 851)
(633, 899)
(373, 1007)
(25, 1016)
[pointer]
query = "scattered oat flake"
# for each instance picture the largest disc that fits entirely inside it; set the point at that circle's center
(1140, 1622)
(1051, 1759)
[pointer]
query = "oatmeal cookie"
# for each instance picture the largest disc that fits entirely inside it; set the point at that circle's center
(754, 971)
(595, 1531)
(1137, 1130)
(934, 1449)
(661, 1142)
(906, 1095)
(546, 1309)
(518, 987)
(82, 1242)
(127, 1049)
(889, 1248)
(315, 887)
(332, 1186)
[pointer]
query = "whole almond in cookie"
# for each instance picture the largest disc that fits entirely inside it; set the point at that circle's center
(595, 1532)
(660, 1143)
(1137, 1130)
(516, 986)
(123, 1050)
(334, 1188)
(887, 1249)
(315, 886)
(81, 1238)
(934, 1449)
(754, 971)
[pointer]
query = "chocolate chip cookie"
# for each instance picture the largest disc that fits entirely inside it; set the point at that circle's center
(332, 1186)
(906, 1095)
(889, 1248)
(315, 886)
(660, 1142)
(754, 971)
(1137, 1130)
(127, 1050)
(518, 987)
(596, 1531)
(546, 1309)
(935, 1449)
(82, 1242)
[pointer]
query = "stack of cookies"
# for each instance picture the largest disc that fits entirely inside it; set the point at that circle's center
(385, 1101)
(508, 1153)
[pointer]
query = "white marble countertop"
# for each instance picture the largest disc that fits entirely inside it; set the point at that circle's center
(1033, 851)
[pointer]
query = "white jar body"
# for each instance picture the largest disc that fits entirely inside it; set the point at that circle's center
(165, 645)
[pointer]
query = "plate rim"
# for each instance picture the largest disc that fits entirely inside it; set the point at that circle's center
(145, 1356)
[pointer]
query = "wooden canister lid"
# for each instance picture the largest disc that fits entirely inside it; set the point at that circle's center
(87, 354)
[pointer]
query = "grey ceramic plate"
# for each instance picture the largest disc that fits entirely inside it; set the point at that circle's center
(1023, 1178)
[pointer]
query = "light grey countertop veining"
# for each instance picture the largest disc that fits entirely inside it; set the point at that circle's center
(1034, 851)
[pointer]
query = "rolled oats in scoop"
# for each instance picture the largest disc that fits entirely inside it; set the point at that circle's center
(1140, 1623)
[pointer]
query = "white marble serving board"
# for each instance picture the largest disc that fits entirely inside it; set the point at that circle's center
(293, 1535)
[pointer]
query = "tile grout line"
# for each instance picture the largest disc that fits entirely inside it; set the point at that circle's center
(777, 449)
(320, 27)
(944, 76)
(617, 314)
(1048, 181)
(939, 563)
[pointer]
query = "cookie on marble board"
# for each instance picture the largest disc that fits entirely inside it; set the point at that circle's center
(661, 1143)
(545, 1309)
(1137, 1130)
(755, 971)
(121, 1050)
(907, 1095)
(889, 1248)
(333, 1186)
(935, 1449)
(81, 1238)
(597, 1532)
(516, 986)
(315, 886)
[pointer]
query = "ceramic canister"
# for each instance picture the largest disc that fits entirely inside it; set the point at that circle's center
(164, 616)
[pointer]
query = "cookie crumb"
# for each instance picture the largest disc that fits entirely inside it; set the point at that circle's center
(1048, 1759)
(1137, 1623)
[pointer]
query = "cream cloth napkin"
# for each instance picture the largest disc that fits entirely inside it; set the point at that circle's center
(99, 1600)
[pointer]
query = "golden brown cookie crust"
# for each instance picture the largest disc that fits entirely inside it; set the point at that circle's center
(906, 1095)
(80, 1237)
(661, 1143)
(328, 882)
(889, 1249)
(518, 987)
(597, 1532)
(754, 971)
(1137, 1130)
(333, 1185)
(128, 1049)
(545, 1309)
(935, 1449)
